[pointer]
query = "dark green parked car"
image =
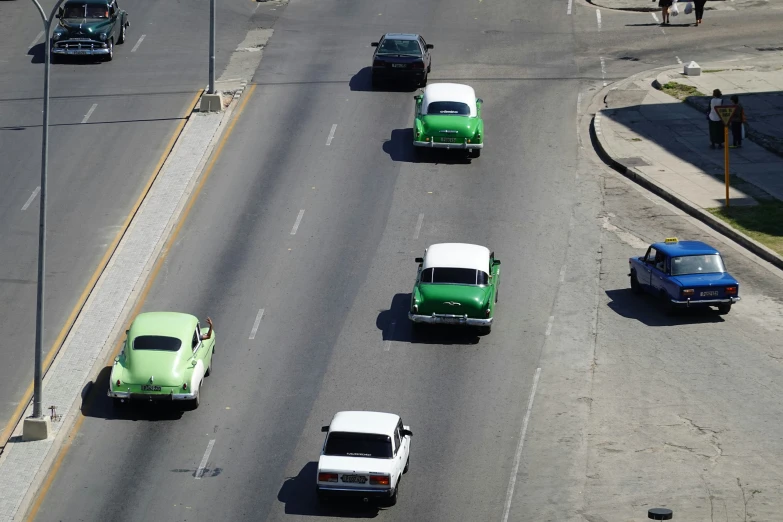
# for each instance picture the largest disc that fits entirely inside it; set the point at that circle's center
(89, 28)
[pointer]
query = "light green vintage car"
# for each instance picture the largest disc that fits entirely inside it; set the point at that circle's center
(457, 283)
(448, 116)
(165, 358)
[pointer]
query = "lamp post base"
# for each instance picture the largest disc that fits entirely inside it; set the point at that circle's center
(36, 428)
(211, 102)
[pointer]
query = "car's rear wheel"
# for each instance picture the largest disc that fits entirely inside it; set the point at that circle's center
(724, 309)
(121, 39)
(209, 368)
(322, 497)
(636, 288)
(484, 330)
(407, 465)
(474, 153)
(423, 81)
(197, 400)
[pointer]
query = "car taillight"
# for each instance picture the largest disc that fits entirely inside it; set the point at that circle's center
(327, 477)
(687, 292)
(478, 138)
(377, 63)
(417, 65)
(185, 386)
(731, 290)
(415, 309)
(379, 480)
(488, 311)
(118, 382)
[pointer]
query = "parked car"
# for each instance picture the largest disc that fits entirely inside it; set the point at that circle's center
(684, 274)
(401, 56)
(364, 456)
(448, 116)
(165, 358)
(457, 283)
(89, 28)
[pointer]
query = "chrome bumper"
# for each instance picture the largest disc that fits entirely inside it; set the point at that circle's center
(80, 48)
(151, 396)
(449, 319)
(688, 302)
(357, 492)
(439, 145)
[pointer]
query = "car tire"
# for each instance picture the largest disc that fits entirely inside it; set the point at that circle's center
(393, 499)
(323, 498)
(429, 67)
(474, 153)
(484, 330)
(668, 306)
(110, 56)
(724, 309)
(121, 39)
(636, 288)
(423, 82)
(194, 404)
(374, 82)
(53, 58)
(407, 465)
(209, 368)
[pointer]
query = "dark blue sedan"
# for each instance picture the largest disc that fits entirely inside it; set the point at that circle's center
(684, 274)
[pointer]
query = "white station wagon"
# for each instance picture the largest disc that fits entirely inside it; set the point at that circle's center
(364, 456)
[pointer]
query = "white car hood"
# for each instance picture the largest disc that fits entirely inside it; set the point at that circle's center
(358, 465)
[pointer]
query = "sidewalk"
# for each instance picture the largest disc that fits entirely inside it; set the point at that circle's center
(712, 5)
(663, 144)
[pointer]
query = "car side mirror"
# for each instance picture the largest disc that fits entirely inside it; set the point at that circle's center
(497, 261)
(430, 46)
(409, 433)
(419, 259)
(117, 359)
(127, 331)
(479, 100)
(324, 429)
(374, 44)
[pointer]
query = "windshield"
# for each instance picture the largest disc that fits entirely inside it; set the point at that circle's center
(459, 276)
(358, 445)
(156, 342)
(409, 47)
(703, 264)
(448, 107)
(85, 11)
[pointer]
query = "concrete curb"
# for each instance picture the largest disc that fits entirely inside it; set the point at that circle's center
(651, 8)
(701, 103)
(720, 226)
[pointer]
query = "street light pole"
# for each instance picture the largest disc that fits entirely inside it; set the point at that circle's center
(211, 47)
(39, 311)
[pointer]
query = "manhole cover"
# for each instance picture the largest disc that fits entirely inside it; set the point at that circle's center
(633, 162)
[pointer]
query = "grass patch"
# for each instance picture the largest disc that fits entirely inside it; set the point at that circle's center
(680, 90)
(764, 222)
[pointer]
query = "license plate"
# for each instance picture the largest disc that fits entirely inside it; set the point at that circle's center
(448, 140)
(149, 387)
(713, 293)
(399, 65)
(81, 52)
(356, 479)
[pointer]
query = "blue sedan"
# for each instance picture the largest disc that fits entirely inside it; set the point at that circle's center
(684, 274)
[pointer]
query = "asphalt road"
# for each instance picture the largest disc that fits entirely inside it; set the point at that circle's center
(109, 125)
(335, 289)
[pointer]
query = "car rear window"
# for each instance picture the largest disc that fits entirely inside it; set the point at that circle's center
(460, 276)
(702, 264)
(156, 342)
(368, 445)
(391, 46)
(449, 108)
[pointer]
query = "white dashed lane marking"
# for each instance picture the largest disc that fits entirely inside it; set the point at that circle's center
(89, 113)
(256, 323)
(331, 135)
(31, 198)
(297, 222)
(418, 226)
(598, 18)
(205, 459)
(141, 39)
(37, 39)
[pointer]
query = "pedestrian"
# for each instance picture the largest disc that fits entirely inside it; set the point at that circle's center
(738, 119)
(698, 8)
(665, 5)
(716, 124)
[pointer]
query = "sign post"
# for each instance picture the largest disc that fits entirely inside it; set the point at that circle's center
(726, 112)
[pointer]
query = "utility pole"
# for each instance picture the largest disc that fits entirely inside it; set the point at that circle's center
(37, 426)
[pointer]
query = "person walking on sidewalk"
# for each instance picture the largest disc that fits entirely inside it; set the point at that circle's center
(716, 125)
(698, 9)
(665, 5)
(738, 119)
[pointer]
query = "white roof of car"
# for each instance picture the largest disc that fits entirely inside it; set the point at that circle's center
(457, 92)
(457, 255)
(365, 422)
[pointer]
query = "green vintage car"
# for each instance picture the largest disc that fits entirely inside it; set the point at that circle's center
(165, 358)
(448, 116)
(457, 283)
(89, 28)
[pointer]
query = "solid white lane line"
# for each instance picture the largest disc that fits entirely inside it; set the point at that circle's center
(387, 344)
(31, 198)
(515, 469)
(200, 470)
(89, 113)
(37, 39)
(256, 323)
(296, 223)
(578, 102)
(141, 39)
(331, 135)
(418, 226)
(655, 17)
(570, 4)
(549, 325)
(598, 18)
(603, 70)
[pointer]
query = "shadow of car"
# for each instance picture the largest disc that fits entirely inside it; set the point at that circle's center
(650, 311)
(395, 326)
(362, 81)
(298, 495)
(400, 147)
(37, 51)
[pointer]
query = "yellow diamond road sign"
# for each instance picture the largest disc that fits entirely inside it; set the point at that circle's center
(725, 112)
